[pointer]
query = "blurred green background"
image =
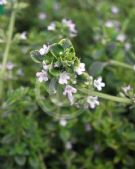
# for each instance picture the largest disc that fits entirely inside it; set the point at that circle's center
(103, 138)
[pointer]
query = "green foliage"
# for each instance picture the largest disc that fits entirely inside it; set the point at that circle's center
(33, 133)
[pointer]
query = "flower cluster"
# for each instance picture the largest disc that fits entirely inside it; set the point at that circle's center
(71, 26)
(42, 16)
(65, 24)
(115, 9)
(42, 76)
(93, 100)
(115, 26)
(23, 35)
(52, 26)
(44, 50)
(9, 65)
(99, 84)
(127, 91)
(3, 2)
(59, 62)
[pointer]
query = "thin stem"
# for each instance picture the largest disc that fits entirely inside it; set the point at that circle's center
(127, 20)
(112, 98)
(120, 64)
(6, 52)
(108, 97)
(43, 166)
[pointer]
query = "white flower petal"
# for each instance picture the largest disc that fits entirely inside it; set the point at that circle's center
(92, 101)
(2, 2)
(126, 89)
(99, 84)
(80, 69)
(44, 50)
(121, 37)
(69, 90)
(23, 35)
(63, 122)
(51, 27)
(42, 16)
(64, 77)
(45, 66)
(42, 76)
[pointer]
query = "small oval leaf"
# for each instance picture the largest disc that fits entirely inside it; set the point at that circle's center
(36, 57)
(96, 68)
(20, 160)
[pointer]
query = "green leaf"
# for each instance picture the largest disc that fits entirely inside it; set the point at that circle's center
(54, 72)
(20, 160)
(7, 139)
(96, 68)
(56, 49)
(2, 36)
(36, 57)
(65, 135)
(66, 43)
(52, 86)
(34, 162)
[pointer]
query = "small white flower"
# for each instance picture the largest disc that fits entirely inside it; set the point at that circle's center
(71, 26)
(99, 84)
(42, 16)
(3, 2)
(57, 64)
(74, 82)
(10, 65)
(64, 77)
(88, 127)
(63, 122)
(121, 37)
(126, 89)
(127, 46)
(80, 69)
(92, 101)
(44, 50)
(112, 24)
(23, 35)
(42, 76)
(45, 66)
(97, 148)
(109, 24)
(115, 9)
(20, 72)
(69, 90)
(68, 145)
(51, 27)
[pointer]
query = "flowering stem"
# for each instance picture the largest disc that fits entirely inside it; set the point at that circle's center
(6, 53)
(112, 98)
(117, 63)
(108, 97)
